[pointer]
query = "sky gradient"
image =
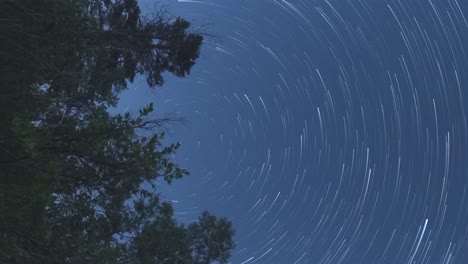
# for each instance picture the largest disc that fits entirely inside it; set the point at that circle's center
(327, 131)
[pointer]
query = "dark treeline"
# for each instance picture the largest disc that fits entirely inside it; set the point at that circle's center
(78, 184)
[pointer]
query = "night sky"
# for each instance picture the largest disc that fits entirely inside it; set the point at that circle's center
(327, 131)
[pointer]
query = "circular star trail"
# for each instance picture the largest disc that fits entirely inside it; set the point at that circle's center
(327, 131)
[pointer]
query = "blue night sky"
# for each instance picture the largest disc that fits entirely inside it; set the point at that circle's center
(327, 131)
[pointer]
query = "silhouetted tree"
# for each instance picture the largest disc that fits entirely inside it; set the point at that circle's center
(209, 240)
(78, 184)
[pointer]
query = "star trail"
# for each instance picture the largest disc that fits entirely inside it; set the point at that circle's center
(328, 131)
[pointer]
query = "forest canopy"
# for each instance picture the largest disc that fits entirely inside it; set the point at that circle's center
(77, 183)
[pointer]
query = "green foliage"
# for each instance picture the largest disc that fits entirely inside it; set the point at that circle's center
(210, 239)
(162, 241)
(78, 184)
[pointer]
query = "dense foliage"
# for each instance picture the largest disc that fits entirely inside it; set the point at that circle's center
(78, 184)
